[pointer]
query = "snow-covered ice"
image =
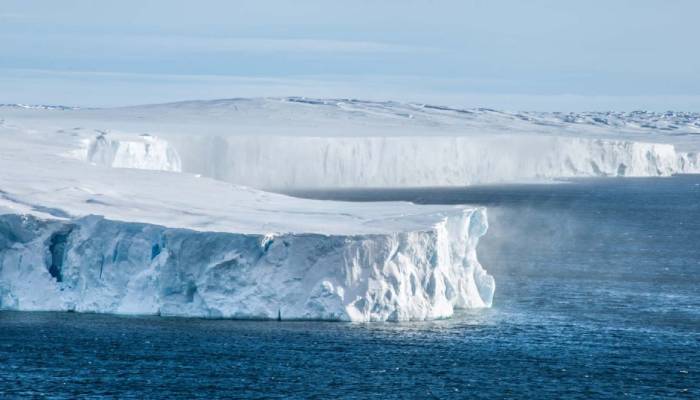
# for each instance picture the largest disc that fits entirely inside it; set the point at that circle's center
(282, 143)
(76, 233)
(139, 209)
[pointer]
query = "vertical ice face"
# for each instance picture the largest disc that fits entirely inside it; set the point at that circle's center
(690, 162)
(293, 162)
(97, 265)
(142, 152)
(286, 163)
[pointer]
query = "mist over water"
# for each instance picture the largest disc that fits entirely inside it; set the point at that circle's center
(596, 297)
(606, 271)
(627, 246)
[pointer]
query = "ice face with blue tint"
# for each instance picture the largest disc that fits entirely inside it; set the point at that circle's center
(91, 264)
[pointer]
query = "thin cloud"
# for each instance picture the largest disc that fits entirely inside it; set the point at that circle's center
(12, 16)
(88, 88)
(288, 45)
(166, 43)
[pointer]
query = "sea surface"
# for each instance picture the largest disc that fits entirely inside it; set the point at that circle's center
(598, 296)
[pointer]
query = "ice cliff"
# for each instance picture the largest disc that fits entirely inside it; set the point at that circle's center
(283, 162)
(97, 265)
(142, 152)
(139, 210)
(290, 143)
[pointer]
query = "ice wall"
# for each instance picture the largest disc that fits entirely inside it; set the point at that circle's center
(293, 162)
(288, 143)
(92, 264)
(133, 151)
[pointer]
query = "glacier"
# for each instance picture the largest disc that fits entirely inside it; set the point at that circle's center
(140, 210)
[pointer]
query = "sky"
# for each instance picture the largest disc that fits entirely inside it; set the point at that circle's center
(506, 54)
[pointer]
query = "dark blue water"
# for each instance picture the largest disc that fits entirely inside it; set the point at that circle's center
(598, 296)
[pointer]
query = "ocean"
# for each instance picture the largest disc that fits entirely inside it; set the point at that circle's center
(597, 296)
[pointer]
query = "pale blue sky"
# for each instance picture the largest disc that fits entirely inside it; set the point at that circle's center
(533, 55)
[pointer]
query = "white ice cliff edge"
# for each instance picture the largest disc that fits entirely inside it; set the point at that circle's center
(284, 162)
(142, 152)
(97, 265)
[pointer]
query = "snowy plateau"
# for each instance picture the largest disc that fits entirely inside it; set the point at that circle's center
(161, 209)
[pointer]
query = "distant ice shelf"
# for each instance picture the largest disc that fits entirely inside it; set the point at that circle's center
(283, 162)
(292, 143)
